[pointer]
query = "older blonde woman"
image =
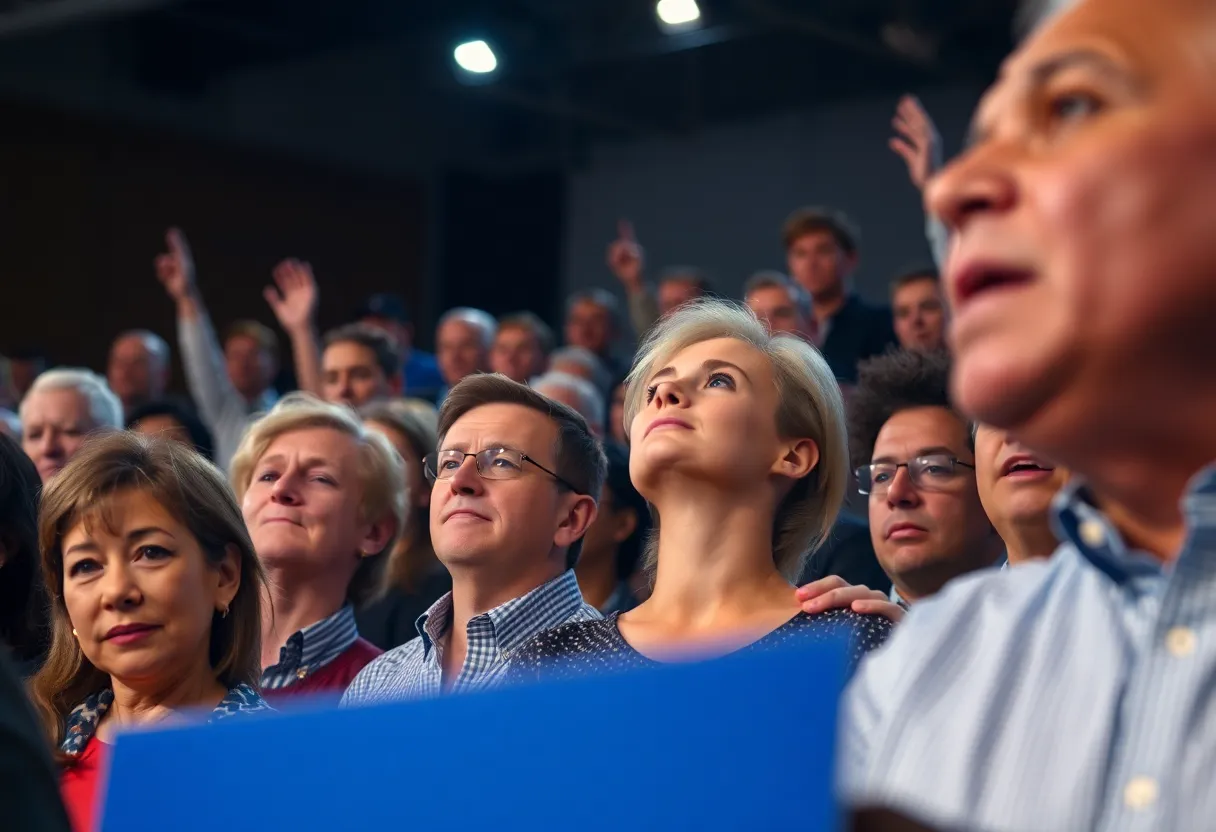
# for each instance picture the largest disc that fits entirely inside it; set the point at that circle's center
(413, 577)
(738, 443)
(155, 601)
(323, 497)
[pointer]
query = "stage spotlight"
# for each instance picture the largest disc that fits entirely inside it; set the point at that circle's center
(476, 56)
(680, 13)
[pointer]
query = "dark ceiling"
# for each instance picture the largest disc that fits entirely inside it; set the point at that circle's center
(570, 70)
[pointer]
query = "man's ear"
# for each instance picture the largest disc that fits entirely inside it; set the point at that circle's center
(580, 513)
(798, 460)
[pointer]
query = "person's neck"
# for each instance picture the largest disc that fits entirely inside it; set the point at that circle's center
(927, 581)
(1028, 540)
(1139, 482)
(477, 590)
(715, 559)
(139, 702)
(295, 604)
(596, 575)
(827, 303)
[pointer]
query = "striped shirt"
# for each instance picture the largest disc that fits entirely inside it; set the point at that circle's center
(415, 669)
(1070, 694)
(312, 648)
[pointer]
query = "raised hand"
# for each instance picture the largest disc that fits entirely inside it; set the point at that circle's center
(625, 256)
(175, 267)
(834, 592)
(293, 297)
(917, 140)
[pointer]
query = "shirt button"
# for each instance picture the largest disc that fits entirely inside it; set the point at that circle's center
(1180, 641)
(302, 673)
(1140, 793)
(1092, 533)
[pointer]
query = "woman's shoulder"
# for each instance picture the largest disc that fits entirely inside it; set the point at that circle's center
(866, 631)
(241, 699)
(572, 638)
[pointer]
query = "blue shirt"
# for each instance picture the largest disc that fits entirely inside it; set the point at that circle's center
(1069, 694)
(422, 377)
(312, 648)
(415, 669)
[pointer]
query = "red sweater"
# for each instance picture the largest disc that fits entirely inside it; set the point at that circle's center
(335, 677)
(78, 785)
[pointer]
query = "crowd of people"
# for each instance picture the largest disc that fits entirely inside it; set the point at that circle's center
(1002, 479)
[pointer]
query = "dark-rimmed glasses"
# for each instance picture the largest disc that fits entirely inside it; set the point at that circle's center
(932, 472)
(491, 463)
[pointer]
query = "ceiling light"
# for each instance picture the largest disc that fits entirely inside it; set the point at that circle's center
(678, 12)
(476, 56)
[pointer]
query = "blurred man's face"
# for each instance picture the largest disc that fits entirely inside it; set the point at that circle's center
(818, 263)
(133, 372)
(589, 325)
(459, 351)
(403, 334)
(517, 354)
(1016, 485)
(920, 315)
(1082, 274)
(251, 369)
(54, 425)
(351, 375)
(676, 291)
(775, 306)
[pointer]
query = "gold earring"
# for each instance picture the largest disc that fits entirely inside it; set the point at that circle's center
(76, 634)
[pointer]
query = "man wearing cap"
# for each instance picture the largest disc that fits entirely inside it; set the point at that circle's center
(387, 312)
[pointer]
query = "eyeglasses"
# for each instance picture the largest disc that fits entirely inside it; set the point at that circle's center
(491, 463)
(933, 472)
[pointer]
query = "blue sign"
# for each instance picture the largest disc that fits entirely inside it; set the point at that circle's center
(745, 742)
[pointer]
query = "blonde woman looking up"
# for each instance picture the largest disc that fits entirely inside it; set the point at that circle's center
(738, 443)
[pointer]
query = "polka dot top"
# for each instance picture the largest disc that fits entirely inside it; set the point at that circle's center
(588, 647)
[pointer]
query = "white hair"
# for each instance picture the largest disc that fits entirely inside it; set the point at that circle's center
(591, 401)
(596, 369)
(480, 320)
(104, 407)
(156, 346)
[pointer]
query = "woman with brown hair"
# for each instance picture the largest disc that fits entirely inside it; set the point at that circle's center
(155, 601)
(413, 577)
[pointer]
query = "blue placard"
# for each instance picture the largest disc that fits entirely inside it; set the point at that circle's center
(744, 742)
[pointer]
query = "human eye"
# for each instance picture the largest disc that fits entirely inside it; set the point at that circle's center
(505, 460)
(268, 475)
(152, 552)
(1073, 106)
(723, 380)
(880, 473)
(83, 566)
(937, 466)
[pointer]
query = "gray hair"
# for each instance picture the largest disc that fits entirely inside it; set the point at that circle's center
(156, 346)
(600, 297)
(104, 407)
(771, 279)
(479, 319)
(591, 401)
(597, 371)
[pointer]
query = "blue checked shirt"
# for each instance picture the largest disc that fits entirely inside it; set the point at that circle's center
(415, 669)
(311, 649)
(1074, 694)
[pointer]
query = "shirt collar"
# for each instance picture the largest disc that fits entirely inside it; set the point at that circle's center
(1078, 521)
(82, 722)
(514, 622)
(312, 648)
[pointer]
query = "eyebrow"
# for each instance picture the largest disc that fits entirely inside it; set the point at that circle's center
(463, 447)
(133, 536)
(1044, 70)
(936, 449)
(308, 463)
(707, 366)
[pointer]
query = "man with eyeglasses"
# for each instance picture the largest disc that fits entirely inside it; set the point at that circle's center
(515, 484)
(915, 459)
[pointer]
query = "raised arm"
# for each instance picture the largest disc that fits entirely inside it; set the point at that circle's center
(202, 354)
(293, 299)
(626, 261)
(919, 144)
